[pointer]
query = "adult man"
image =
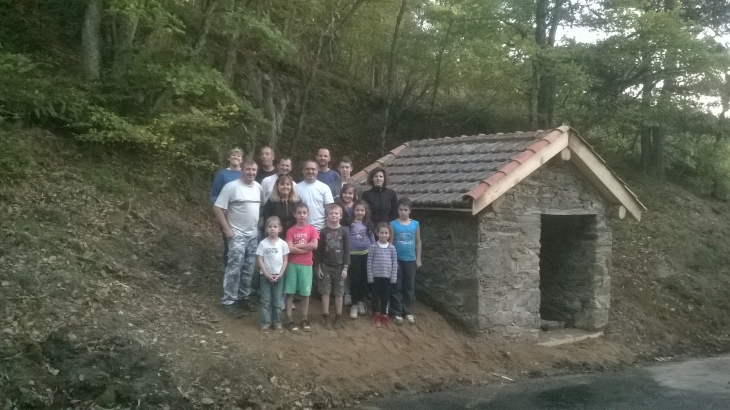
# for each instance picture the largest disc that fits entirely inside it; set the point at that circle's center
(314, 193)
(237, 211)
(324, 173)
(282, 168)
(345, 169)
(267, 164)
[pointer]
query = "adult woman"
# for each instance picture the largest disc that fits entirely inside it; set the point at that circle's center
(282, 203)
(383, 201)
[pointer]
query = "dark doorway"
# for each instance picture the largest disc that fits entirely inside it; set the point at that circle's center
(567, 255)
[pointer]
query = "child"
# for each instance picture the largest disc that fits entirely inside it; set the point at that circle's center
(224, 176)
(382, 273)
(346, 200)
(361, 237)
(271, 257)
(302, 239)
(333, 255)
(407, 241)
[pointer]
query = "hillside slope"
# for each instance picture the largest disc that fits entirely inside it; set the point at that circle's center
(110, 278)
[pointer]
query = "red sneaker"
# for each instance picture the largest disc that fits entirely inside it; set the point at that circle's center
(376, 320)
(385, 320)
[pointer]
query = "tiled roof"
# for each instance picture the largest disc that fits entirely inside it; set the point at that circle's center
(447, 172)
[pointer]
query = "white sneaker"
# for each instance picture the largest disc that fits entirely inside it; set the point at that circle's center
(353, 312)
(361, 309)
(411, 320)
(348, 299)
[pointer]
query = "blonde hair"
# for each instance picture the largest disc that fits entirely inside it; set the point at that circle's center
(271, 220)
(235, 151)
(293, 197)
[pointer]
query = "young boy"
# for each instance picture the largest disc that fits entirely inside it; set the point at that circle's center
(333, 256)
(224, 176)
(407, 241)
(302, 239)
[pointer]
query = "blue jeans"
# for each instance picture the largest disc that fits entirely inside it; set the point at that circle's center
(403, 292)
(272, 297)
(241, 260)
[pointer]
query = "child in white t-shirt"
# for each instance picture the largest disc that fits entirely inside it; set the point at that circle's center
(271, 258)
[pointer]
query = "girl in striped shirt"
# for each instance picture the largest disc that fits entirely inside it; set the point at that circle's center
(382, 273)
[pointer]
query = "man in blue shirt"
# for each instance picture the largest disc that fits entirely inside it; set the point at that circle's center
(324, 174)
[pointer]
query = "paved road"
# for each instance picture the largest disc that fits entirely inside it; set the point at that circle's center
(702, 384)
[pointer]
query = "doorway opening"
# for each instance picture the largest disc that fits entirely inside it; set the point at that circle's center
(568, 246)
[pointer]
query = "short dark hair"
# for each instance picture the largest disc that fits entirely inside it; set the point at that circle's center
(405, 201)
(284, 158)
(308, 160)
(301, 205)
(346, 160)
(375, 171)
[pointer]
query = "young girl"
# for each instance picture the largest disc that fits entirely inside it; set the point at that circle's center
(361, 237)
(382, 273)
(272, 258)
(346, 200)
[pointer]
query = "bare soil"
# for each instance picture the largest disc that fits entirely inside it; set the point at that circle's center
(110, 284)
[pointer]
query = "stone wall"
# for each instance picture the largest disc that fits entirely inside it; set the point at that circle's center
(448, 279)
(484, 270)
(508, 252)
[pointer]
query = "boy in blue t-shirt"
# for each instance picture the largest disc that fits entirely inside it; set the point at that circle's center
(224, 176)
(407, 241)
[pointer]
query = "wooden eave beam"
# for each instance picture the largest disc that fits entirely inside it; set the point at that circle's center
(602, 178)
(521, 172)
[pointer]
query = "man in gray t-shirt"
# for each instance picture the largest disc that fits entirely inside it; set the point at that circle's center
(237, 211)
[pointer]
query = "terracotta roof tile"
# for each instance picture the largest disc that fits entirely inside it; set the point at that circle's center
(440, 172)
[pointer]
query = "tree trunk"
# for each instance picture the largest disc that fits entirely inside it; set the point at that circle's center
(207, 20)
(275, 113)
(91, 39)
(438, 75)
(544, 81)
(307, 90)
(391, 77)
(229, 67)
(124, 38)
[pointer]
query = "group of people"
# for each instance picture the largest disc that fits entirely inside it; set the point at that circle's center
(358, 243)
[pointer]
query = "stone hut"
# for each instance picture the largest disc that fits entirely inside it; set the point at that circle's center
(515, 227)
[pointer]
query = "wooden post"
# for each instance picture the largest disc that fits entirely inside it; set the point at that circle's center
(565, 154)
(617, 211)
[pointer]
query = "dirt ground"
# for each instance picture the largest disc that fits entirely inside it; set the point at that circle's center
(110, 287)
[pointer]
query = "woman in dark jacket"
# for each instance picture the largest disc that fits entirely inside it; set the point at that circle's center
(383, 201)
(281, 203)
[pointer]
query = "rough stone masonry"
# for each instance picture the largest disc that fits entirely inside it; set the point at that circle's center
(543, 247)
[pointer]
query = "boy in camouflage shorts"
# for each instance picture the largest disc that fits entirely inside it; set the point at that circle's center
(333, 255)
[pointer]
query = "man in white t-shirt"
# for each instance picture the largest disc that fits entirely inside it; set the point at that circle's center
(282, 168)
(237, 211)
(315, 194)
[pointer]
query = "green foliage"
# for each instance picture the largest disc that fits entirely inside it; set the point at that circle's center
(16, 158)
(27, 92)
(200, 86)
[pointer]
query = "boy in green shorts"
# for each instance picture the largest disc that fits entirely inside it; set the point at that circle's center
(302, 239)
